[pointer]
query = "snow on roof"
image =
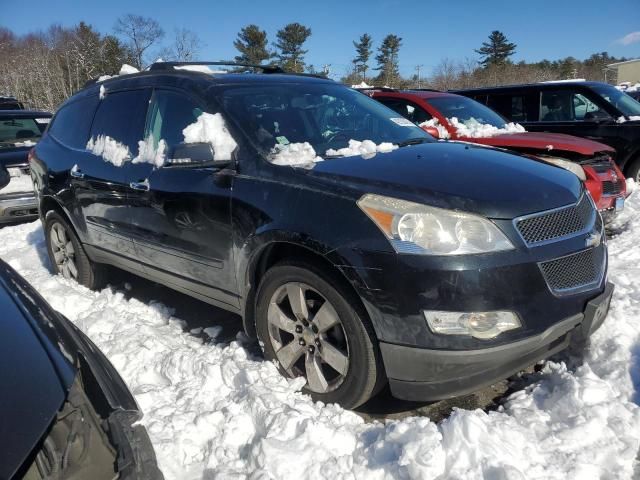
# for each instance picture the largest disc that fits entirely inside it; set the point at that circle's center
(566, 80)
(362, 84)
(614, 65)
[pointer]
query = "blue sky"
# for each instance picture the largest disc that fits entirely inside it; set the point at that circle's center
(431, 30)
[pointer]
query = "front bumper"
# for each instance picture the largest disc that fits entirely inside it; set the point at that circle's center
(425, 374)
(16, 207)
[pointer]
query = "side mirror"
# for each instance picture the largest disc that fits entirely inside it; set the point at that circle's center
(195, 155)
(433, 131)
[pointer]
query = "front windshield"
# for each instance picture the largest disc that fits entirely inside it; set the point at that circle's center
(325, 115)
(623, 102)
(16, 132)
(467, 111)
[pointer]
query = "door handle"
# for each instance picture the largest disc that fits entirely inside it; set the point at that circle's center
(140, 186)
(76, 173)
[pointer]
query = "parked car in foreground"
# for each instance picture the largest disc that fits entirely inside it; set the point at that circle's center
(355, 247)
(593, 110)
(10, 103)
(65, 412)
(20, 130)
(449, 116)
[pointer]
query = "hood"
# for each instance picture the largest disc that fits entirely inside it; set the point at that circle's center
(460, 176)
(34, 371)
(541, 141)
(14, 156)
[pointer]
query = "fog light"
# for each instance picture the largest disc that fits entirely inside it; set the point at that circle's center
(483, 325)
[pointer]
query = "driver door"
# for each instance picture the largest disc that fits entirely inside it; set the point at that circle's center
(180, 216)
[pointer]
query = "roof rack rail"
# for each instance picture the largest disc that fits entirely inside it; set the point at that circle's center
(170, 65)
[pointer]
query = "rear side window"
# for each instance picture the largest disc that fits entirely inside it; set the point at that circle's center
(170, 114)
(71, 124)
(567, 105)
(121, 116)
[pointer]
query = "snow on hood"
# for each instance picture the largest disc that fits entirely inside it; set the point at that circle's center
(474, 129)
(443, 133)
(364, 148)
(294, 154)
(211, 128)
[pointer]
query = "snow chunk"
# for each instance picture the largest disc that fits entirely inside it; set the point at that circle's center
(362, 84)
(102, 78)
(26, 143)
(294, 154)
(365, 148)
(109, 149)
(443, 133)
(631, 186)
(148, 153)
(631, 118)
(211, 128)
(126, 69)
(103, 91)
(472, 128)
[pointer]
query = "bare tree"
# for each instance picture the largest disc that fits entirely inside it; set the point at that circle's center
(185, 48)
(141, 34)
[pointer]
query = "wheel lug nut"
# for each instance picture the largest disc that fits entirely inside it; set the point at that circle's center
(311, 349)
(301, 342)
(305, 323)
(298, 328)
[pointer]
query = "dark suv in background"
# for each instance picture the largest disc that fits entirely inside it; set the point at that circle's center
(354, 246)
(592, 110)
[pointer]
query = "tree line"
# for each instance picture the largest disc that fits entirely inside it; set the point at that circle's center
(44, 68)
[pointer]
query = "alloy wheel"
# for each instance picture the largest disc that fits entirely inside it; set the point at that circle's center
(64, 254)
(308, 337)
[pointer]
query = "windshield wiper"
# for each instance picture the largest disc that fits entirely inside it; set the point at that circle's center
(412, 141)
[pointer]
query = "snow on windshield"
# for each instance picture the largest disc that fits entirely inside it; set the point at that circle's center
(294, 154)
(472, 128)
(365, 148)
(443, 133)
(212, 129)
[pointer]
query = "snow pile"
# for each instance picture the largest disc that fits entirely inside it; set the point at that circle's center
(103, 92)
(148, 153)
(126, 69)
(211, 128)
(631, 118)
(631, 186)
(443, 133)
(215, 411)
(294, 154)
(365, 148)
(472, 128)
(109, 149)
(19, 182)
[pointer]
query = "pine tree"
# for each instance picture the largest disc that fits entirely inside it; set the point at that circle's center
(289, 44)
(363, 53)
(252, 45)
(387, 59)
(497, 50)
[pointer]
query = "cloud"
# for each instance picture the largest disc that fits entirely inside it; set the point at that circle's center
(628, 39)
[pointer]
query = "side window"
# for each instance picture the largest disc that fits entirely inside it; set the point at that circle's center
(518, 111)
(121, 116)
(71, 124)
(567, 105)
(169, 115)
(407, 109)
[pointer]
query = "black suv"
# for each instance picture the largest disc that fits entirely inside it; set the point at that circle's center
(592, 110)
(355, 247)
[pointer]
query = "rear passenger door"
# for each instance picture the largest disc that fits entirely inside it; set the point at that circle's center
(99, 179)
(180, 216)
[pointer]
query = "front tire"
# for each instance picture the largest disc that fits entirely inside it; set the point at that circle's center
(313, 328)
(67, 255)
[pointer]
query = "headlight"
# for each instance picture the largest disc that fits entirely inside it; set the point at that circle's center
(482, 325)
(574, 168)
(420, 229)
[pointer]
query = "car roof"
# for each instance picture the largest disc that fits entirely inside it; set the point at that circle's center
(423, 94)
(24, 114)
(528, 86)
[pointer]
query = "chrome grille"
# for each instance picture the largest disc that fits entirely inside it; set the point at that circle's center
(557, 223)
(575, 272)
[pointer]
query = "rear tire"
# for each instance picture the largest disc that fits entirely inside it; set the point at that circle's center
(325, 337)
(67, 254)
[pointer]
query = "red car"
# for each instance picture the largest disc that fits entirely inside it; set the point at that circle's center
(449, 116)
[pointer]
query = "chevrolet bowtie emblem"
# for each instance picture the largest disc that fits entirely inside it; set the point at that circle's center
(593, 240)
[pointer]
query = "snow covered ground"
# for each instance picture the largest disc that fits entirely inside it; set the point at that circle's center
(215, 411)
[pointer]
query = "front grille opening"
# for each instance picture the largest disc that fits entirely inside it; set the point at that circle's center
(611, 188)
(574, 272)
(557, 223)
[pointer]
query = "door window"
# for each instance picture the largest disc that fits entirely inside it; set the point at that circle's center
(121, 117)
(170, 114)
(568, 106)
(71, 124)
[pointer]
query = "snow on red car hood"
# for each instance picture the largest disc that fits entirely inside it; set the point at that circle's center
(543, 141)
